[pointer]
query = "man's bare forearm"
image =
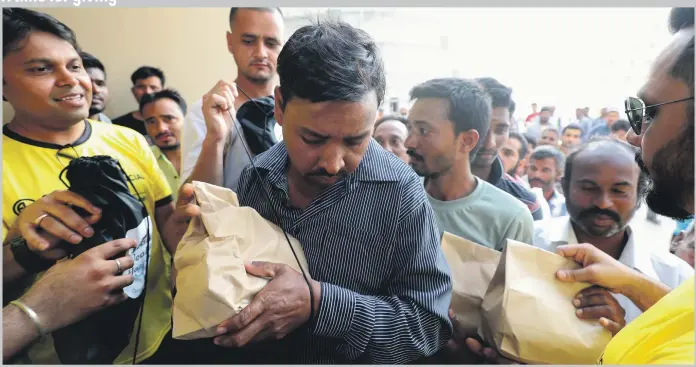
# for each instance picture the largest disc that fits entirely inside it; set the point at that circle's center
(209, 168)
(644, 292)
(17, 331)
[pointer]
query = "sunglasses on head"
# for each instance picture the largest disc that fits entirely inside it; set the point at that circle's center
(636, 111)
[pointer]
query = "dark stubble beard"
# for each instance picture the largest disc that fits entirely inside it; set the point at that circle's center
(672, 184)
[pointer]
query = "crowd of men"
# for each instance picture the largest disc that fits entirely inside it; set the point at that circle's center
(368, 198)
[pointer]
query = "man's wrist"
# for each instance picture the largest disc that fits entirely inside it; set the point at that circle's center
(316, 300)
(213, 142)
(643, 291)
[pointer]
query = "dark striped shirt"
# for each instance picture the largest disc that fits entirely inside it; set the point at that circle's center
(372, 241)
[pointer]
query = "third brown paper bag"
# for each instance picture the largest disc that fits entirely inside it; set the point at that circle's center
(472, 268)
(212, 284)
(528, 315)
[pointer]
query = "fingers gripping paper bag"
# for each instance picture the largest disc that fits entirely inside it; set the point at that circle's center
(528, 314)
(212, 284)
(472, 268)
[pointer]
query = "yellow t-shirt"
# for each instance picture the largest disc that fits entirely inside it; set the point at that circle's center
(30, 169)
(664, 334)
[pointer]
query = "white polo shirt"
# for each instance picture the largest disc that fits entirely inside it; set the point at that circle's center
(641, 256)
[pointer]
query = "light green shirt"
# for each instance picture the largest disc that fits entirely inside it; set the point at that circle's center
(488, 216)
(169, 171)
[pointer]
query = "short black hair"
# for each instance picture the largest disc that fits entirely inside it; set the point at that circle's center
(164, 94)
(643, 179)
(500, 94)
(513, 106)
(683, 68)
(399, 118)
(469, 104)
(19, 23)
(620, 125)
(330, 61)
(145, 72)
(233, 11)
(551, 128)
(90, 61)
(531, 139)
(545, 109)
(572, 127)
(546, 151)
(524, 146)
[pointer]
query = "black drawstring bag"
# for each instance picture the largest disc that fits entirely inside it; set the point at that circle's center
(102, 336)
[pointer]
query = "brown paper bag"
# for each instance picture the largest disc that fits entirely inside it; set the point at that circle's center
(212, 284)
(472, 268)
(528, 315)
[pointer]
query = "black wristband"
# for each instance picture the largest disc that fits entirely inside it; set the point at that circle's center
(28, 259)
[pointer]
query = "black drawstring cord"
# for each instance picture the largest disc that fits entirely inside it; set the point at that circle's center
(268, 197)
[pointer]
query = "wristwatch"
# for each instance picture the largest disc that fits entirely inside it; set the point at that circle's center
(28, 259)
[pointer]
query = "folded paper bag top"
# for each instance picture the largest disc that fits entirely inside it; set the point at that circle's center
(528, 315)
(212, 284)
(472, 268)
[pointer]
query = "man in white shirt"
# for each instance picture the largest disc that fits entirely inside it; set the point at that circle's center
(218, 155)
(604, 185)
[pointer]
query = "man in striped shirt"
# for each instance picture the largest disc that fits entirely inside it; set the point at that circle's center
(380, 287)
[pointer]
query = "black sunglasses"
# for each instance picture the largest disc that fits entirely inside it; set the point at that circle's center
(636, 111)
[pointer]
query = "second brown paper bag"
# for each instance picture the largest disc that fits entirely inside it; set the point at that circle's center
(212, 284)
(472, 268)
(528, 315)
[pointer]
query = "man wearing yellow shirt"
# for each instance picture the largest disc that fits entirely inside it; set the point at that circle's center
(662, 122)
(50, 92)
(164, 113)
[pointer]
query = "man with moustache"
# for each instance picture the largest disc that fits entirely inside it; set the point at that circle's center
(218, 155)
(571, 138)
(605, 188)
(100, 92)
(391, 133)
(146, 80)
(544, 171)
(486, 163)
(50, 92)
(348, 201)
(662, 121)
(513, 154)
(446, 122)
(164, 113)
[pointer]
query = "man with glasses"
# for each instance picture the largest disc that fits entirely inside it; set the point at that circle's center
(45, 82)
(662, 121)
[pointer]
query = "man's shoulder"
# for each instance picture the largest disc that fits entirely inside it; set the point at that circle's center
(518, 191)
(125, 117)
(670, 268)
(507, 201)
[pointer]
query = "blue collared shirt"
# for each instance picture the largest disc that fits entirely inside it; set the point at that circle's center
(372, 242)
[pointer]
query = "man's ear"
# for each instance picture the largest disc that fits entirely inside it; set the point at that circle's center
(468, 140)
(229, 42)
(278, 109)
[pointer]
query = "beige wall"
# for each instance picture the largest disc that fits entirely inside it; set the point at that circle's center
(188, 44)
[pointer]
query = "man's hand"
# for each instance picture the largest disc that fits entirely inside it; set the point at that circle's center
(51, 219)
(217, 105)
(456, 350)
(605, 271)
(596, 303)
(73, 289)
(491, 356)
(279, 308)
(597, 267)
(179, 221)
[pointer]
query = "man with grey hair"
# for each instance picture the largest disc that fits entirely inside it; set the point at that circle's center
(545, 169)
